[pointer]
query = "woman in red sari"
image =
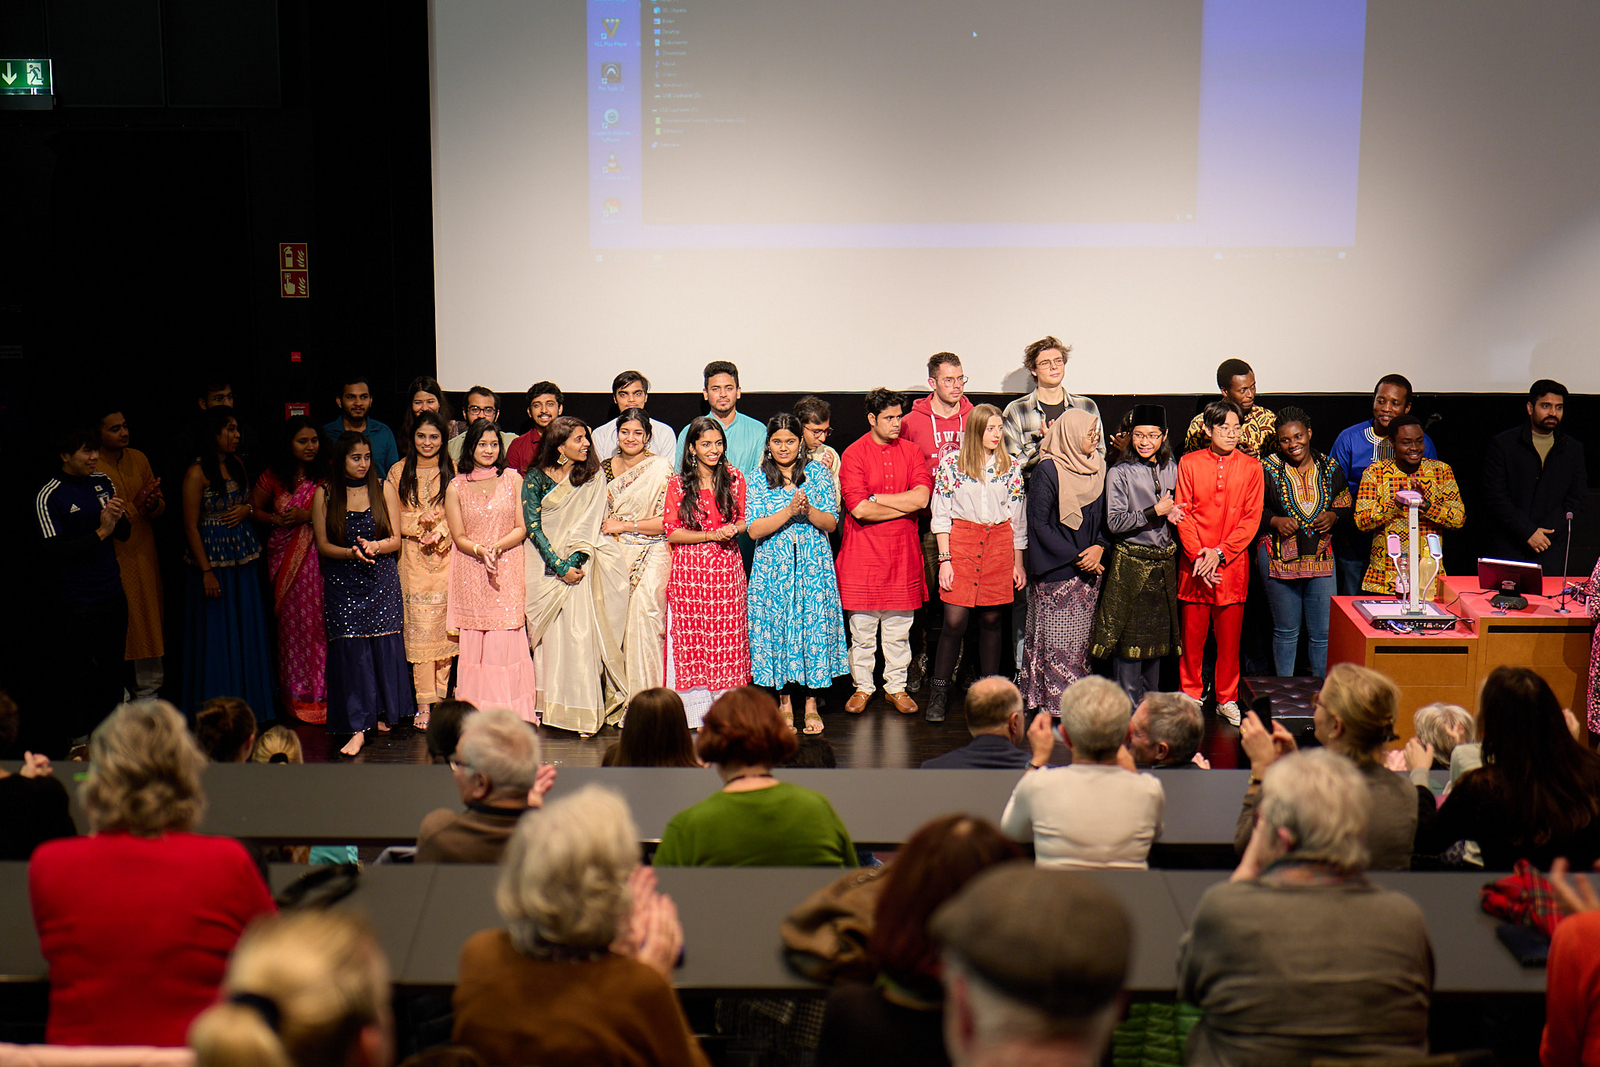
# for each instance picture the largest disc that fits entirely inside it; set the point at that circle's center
(282, 500)
(708, 641)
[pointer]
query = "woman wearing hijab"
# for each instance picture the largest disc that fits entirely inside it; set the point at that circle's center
(980, 522)
(1066, 540)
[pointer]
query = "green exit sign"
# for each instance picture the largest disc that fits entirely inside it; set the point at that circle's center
(25, 77)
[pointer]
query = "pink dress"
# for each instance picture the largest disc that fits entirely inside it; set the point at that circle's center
(706, 598)
(495, 668)
(297, 601)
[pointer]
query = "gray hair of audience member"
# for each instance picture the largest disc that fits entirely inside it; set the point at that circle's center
(990, 704)
(144, 772)
(1175, 721)
(497, 744)
(1322, 800)
(1043, 954)
(564, 878)
(1094, 716)
(1432, 724)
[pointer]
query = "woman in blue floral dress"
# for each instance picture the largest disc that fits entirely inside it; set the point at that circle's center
(797, 641)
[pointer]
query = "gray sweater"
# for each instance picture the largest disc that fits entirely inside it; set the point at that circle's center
(1287, 972)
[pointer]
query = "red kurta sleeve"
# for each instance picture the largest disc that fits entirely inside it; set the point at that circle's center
(669, 519)
(1189, 528)
(853, 479)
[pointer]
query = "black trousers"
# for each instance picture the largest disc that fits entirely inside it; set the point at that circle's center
(88, 645)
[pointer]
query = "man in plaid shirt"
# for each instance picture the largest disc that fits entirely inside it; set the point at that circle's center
(1027, 418)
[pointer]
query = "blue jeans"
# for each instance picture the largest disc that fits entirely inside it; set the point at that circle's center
(1293, 600)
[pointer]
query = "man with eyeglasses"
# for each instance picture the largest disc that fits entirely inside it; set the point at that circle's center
(1027, 418)
(482, 403)
(936, 425)
(1220, 491)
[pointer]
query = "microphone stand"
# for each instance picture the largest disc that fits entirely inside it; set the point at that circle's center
(1565, 563)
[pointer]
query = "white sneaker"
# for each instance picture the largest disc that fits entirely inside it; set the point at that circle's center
(1229, 710)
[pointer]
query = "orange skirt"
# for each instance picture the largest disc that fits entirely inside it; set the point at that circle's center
(983, 558)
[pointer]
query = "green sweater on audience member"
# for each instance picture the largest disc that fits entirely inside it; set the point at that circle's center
(782, 826)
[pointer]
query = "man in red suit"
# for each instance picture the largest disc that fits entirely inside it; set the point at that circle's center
(1219, 488)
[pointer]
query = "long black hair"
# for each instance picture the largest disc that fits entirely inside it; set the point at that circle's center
(212, 422)
(721, 477)
(285, 467)
(469, 447)
(562, 428)
(1129, 454)
(338, 495)
(785, 421)
(1545, 784)
(634, 415)
(408, 468)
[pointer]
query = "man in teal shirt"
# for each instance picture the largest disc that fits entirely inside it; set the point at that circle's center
(744, 436)
(355, 400)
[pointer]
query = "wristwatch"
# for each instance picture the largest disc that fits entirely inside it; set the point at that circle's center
(872, 498)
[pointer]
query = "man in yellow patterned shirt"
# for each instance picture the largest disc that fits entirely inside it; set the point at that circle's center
(1258, 431)
(1378, 512)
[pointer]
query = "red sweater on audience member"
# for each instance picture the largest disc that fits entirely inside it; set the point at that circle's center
(1572, 993)
(137, 931)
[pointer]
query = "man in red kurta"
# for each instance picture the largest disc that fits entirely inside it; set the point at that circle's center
(1220, 489)
(884, 483)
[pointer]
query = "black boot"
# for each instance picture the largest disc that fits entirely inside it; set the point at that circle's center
(938, 695)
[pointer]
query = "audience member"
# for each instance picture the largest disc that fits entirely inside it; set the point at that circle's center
(444, 728)
(1220, 492)
(546, 402)
(277, 744)
(994, 718)
(1306, 496)
(1353, 716)
(633, 560)
(1166, 730)
(225, 730)
(1357, 448)
(1033, 965)
(582, 972)
(630, 390)
(1027, 418)
(487, 605)
(496, 769)
(134, 482)
(1572, 974)
(1381, 512)
(421, 481)
(176, 897)
(754, 820)
(354, 517)
(1537, 795)
(1442, 728)
(1533, 477)
(577, 659)
(1136, 622)
(797, 644)
(227, 652)
(33, 803)
(708, 641)
(309, 989)
(1066, 544)
(282, 499)
(1299, 957)
(744, 435)
(482, 403)
(654, 733)
(1257, 425)
(354, 402)
(884, 485)
(899, 1019)
(78, 514)
(1098, 812)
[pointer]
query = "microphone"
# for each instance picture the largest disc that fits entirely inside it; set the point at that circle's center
(1563, 609)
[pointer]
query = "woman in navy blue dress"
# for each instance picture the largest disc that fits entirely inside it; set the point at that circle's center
(355, 518)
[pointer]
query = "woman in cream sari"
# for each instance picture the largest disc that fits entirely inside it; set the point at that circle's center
(577, 655)
(634, 560)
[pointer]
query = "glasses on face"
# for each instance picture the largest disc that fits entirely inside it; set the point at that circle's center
(1147, 438)
(1050, 364)
(1227, 431)
(952, 381)
(481, 413)
(824, 432)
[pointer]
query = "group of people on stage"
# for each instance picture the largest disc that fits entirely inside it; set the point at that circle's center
(560, 571)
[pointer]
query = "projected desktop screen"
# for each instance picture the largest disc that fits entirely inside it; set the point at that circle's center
(827, 192)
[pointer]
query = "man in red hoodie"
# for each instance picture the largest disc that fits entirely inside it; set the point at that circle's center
(935, 425)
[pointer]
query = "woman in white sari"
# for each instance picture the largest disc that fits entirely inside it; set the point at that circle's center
(577, 655)
(633, 560)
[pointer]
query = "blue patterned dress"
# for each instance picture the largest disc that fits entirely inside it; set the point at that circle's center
(227, 651)
(796, 626)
